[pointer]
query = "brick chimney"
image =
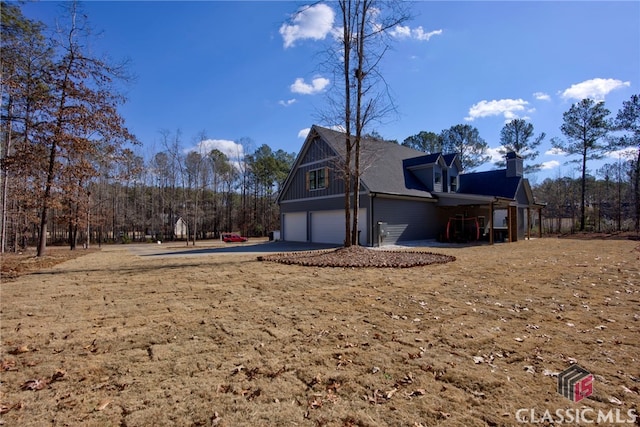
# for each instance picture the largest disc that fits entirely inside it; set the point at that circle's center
(514, 164)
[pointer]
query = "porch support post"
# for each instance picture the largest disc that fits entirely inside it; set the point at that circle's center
(491, 223)
(528, 223)
(540, 222)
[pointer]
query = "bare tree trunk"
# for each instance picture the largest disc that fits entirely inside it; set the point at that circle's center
(347, 27)
(583, 190)
(6, 146)
(42, 236)
(360, 117)
(636, 192)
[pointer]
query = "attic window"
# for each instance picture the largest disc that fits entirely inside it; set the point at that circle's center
(317, 179)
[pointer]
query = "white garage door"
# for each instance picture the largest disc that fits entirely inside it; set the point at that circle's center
(295, 227)
(328, 226)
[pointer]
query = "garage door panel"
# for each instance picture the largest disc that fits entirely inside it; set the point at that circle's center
(295, 227)
(329, 226)
(406, 220)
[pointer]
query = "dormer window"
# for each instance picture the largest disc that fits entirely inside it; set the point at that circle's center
(438, 177)
(453, 184)
(317, 179)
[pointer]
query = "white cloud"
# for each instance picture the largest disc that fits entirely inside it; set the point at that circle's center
(231, 149)
(506, 107)
(287, 102)
(551, 164)
(555, 152)
(317, 85)
(310, 22)
(541, 96)
(595, 89)
(404, 32)
(624, 153)
(495, 154)
(304, 132)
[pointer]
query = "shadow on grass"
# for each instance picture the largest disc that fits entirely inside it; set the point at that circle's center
(244, 248)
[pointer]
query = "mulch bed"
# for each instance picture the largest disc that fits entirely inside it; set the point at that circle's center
(359, 257)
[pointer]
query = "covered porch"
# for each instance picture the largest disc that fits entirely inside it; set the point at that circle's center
(466, 217)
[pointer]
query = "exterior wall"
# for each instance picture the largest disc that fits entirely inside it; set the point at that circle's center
(407, 219)
(425, 175)
(318, 156)
(453, 182)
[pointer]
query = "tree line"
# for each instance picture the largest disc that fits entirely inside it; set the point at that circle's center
(69, 169)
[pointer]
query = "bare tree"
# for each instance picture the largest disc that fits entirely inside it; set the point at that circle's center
(363, 97)
(82, 110)
(26, 61)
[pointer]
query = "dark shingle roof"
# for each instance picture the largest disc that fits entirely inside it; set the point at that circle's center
(382, 165)
(449, 158)
(385, 169)
(425, 159)
(491, 183)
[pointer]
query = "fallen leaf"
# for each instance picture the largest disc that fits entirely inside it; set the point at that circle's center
(615, 401)
(19, 350)
(37, 384)
(215, 420)
(103, 405)
(627, 390)
(8, 364)
(390, 393)
(57, 375)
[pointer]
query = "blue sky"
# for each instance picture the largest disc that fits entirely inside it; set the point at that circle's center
(248, 71)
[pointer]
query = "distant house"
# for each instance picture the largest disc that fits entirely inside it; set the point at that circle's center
(405, 195)
(180, 229)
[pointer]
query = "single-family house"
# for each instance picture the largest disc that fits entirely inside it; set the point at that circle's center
(405, 195)
(180, 229)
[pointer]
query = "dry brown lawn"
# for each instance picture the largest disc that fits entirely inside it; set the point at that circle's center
(118, 338)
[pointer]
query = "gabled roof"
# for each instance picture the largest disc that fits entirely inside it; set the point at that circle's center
(490, 183)
(450, 158)
(381, 163)
(386, 169)
(424, 161)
